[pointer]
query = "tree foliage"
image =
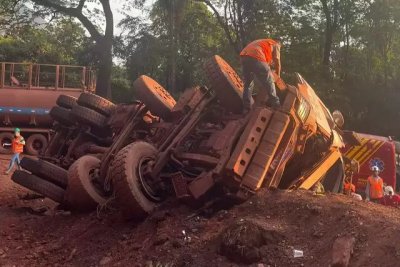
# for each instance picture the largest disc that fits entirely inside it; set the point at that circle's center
(348, 50)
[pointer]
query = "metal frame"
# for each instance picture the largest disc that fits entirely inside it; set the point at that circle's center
(35, 71)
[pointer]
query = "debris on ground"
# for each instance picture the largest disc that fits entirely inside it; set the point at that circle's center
(289, 221)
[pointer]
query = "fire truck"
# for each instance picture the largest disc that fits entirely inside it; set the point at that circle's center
(372, 151)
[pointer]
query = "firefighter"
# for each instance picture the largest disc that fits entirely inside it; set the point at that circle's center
(374, 190)
(257, 59)
(17, 148)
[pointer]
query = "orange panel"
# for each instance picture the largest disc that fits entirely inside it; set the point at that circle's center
(249, 141)
(258, 168)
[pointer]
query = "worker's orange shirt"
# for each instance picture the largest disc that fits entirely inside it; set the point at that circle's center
(16, 147)
(375, 187)
(349, 187)
(260, 49)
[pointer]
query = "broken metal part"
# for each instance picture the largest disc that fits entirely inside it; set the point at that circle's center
(180, 185)
(200, 160)
(201, 185)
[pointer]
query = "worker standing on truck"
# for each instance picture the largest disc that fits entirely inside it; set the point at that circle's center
(257, 59)
(374, 190)
(17, 148)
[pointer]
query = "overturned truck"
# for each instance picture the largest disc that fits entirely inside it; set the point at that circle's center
(202, 147)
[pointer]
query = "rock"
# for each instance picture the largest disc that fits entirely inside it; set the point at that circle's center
(342, 251)
(243, 241)
(105, 261)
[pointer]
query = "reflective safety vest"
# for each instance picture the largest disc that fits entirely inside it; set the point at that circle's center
(375, 187)
(260, 50)
(17, 148)
(349, 187)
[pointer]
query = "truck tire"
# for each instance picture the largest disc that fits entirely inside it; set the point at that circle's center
(154, 96)
(62, 115)
(131, 193)
(35, 144)
(66, 101)
(38, 185)
(46, 170)
(88, 116)
(81, 193)
(6, 138)
(97, 103)
(226, 83)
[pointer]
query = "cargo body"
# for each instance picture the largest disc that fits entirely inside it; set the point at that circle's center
(29, 91)
(373, 151)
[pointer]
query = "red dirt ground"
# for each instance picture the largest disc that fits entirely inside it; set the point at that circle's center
(298, 220)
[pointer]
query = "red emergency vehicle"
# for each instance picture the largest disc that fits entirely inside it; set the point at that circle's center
(373, 151)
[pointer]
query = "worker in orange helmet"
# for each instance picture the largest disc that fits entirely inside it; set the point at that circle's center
(257, 59)
(374, 190)
(17, 148)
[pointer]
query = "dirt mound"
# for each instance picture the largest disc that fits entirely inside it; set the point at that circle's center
(266, 229)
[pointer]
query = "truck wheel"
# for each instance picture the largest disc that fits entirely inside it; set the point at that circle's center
(38, 185)
(154, 96)
(62, 115)
(35, 144)
(66, 101)
(96, 103)
(133, 193)
(46, 170)
(225, 82)
(6, 138)
(81, 193)
(88, 116)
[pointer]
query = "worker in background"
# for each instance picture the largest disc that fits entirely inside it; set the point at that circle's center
(374, 190)
(17, 148)
(257, 59)
(350, 189)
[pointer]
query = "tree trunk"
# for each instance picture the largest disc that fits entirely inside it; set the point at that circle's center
(104, 42)
(328, 46)
(103, 83)
(173, 48)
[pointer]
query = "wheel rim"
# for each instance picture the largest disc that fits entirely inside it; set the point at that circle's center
(37, 145)
(143, 175)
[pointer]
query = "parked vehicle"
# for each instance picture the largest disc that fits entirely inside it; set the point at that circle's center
(28, 92)
(373, 151)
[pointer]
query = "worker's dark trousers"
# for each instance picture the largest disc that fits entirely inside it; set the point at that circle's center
(261, 70)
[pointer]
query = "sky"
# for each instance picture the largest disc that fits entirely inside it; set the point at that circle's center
(117, 7)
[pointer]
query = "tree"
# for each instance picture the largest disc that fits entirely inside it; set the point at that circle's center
(103, 40)
(60, 42)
